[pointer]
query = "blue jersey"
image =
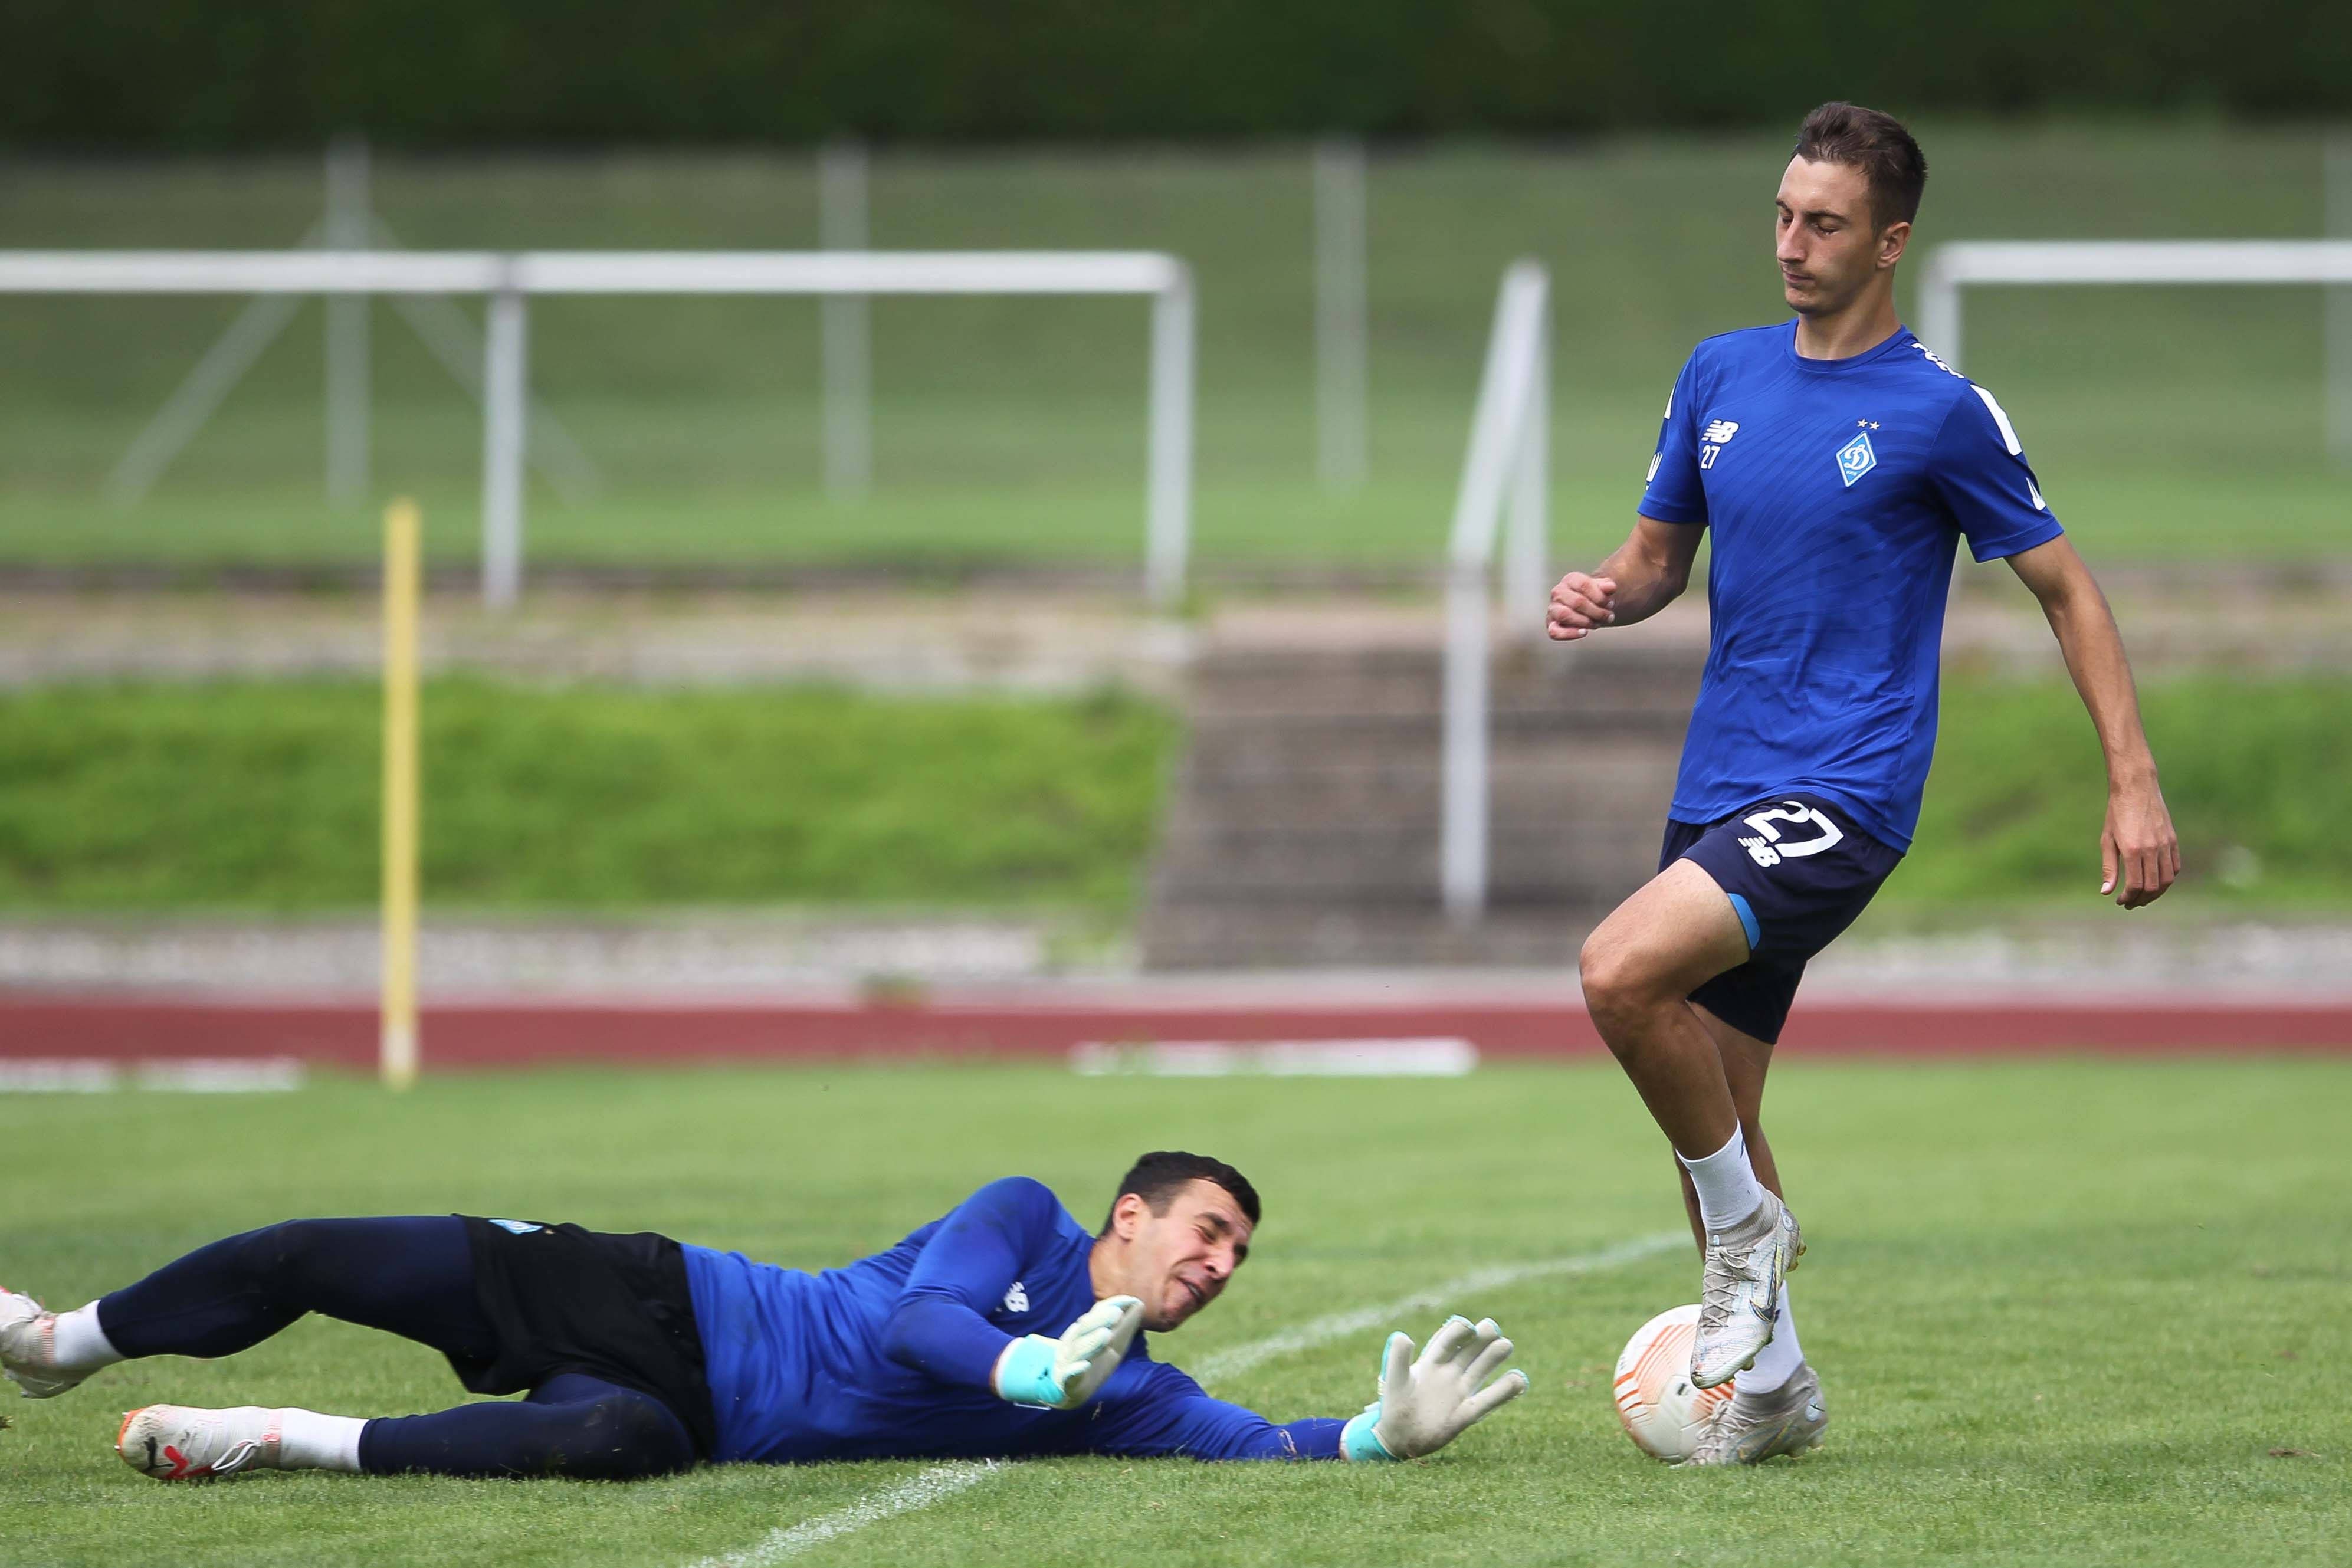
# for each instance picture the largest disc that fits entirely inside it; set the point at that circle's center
(891, 1356)
(1836, 491)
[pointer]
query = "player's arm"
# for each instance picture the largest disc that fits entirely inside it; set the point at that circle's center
(1641, 577)
(2139, 854)
(938, 1326)
(1424, 1403)
(1653, 564)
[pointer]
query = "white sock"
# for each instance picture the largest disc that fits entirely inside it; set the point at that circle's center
(1778, 1362)
(309, 1441)
(1729, 1191)
(78, 1344)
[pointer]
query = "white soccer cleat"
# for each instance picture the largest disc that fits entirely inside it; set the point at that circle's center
(28, 1348)
(1740, 1295)
(1749, 1428)
(181, 1443)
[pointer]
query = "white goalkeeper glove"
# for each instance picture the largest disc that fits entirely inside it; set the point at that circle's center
(1426, 1403)
(1064, 1373)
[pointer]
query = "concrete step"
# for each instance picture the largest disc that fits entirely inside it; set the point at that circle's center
(1304, 824)
(1309, 741)
(1404, 680)
(1542, 782)
(1286, 870)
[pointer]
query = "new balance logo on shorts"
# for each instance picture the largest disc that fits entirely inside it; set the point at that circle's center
(1771, 846)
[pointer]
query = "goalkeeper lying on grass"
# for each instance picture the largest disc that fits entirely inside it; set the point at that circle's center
(642, 1356)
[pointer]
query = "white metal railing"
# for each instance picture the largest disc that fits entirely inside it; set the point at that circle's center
(1505, 479)
(1965, 263)
(509, 280)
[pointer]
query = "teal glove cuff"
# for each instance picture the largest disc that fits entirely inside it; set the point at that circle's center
(1360, 1441)
(1025, 1376)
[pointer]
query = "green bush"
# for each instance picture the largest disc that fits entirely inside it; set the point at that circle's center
(2258, 774)
(266, 796)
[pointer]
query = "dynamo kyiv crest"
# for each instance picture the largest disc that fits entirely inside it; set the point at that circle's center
(1855, 458)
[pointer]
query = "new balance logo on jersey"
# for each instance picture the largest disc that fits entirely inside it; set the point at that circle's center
(1856, 458)
(1016, 1299)
(1713, 437)
(1771, 845)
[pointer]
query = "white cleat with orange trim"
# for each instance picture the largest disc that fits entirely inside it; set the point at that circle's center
(1749, 1428)
(28, 1347)
(181, 1443)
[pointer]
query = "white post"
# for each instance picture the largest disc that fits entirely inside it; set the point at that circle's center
(1939, 310)
(1168, 508)
(1504, 469)
(2338, 297)
(844, 328)
(1342, 445)
(1526, 546)
(348, 209)
(504, 418)
(1463, 828)
(449, 336)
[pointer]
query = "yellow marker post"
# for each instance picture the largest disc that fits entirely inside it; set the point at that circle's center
(401, 573)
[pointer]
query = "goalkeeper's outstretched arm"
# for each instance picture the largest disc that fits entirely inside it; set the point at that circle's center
(1423, 1404)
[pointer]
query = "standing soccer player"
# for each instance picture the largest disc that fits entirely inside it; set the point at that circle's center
(1838, 462)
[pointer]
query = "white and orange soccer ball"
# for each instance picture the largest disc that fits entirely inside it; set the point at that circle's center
(1662, 1410)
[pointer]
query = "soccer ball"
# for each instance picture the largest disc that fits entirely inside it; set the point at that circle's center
(1662, 1410)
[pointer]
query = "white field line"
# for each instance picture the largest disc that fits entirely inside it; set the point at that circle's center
(915, 1491)
(943, 1481)
(1457, 1294)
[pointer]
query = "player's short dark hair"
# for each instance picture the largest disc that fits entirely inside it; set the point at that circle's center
(1875, 144)
(1158, 1176)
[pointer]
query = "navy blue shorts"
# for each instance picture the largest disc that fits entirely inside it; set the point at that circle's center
(1798, 871)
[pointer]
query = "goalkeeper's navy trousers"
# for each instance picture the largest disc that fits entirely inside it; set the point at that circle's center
(414, 1277)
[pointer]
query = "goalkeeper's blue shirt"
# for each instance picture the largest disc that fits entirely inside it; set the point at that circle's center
(891, 1356)
(1836, 491)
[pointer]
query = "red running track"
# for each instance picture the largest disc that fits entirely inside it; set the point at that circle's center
(519, 1033)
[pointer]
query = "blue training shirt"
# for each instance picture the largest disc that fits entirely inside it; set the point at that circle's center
(1836, 491)
(891, 1356)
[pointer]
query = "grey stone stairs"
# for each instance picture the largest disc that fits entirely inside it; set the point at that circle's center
(1304, 824)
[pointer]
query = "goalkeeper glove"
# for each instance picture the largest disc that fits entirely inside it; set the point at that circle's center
(1426, 1403)
(1064, 1373)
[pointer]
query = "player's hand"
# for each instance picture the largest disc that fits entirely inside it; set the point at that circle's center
(2139, 854)
(1427, 1403)
(1064, 1373)
(1579, 606)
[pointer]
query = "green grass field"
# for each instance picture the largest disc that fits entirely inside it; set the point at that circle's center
(264, 796)
(2064, 1311)
(2164, 423)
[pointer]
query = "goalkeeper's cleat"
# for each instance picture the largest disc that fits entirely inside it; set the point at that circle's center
(28, 1348)
(181, 1443)
(1740, 1294)
(1749, 1428)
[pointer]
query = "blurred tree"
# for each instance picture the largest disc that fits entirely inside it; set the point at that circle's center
(130, 74)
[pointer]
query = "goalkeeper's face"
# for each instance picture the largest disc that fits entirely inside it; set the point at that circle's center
(1177, 1262)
